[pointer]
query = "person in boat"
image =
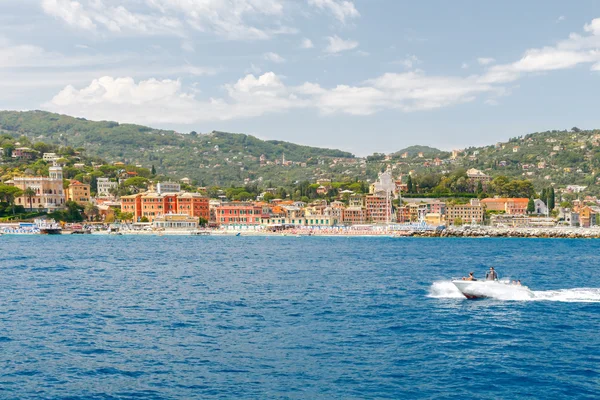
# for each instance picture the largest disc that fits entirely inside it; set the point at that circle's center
(491, 275)
(519, 282)
(470, 277)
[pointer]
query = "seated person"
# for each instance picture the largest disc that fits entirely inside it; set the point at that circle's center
(470, 277)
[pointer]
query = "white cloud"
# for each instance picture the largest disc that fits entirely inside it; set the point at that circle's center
(337, 44)
(274, 57)
(464, 66)
(166, 101)
(485, 60)
(72, 12)
(341, 9)
(232, 19)
(566, 54)
(306, 44)
(561, 18)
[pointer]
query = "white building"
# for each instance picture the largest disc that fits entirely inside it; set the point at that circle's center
(385, 183)
(50, 157)
(168, 187)
(105, 186)
(540, 207)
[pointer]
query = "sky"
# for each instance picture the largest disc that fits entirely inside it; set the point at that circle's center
(358, 75)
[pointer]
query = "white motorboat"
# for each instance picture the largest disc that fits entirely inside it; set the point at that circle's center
(501, 289)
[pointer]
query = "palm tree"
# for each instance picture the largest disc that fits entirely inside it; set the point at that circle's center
(30, 194)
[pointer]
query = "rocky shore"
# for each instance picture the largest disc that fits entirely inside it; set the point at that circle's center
(564, 233)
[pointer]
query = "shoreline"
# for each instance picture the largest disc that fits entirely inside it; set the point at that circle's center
(450, 232)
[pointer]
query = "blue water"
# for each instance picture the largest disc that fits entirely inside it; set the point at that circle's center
(294, 318)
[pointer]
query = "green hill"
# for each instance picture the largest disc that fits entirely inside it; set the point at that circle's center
(217, 158)
(427, 151)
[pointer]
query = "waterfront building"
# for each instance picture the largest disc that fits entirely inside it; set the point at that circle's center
(175, 222)
(78, 192)
(193, 205)
(152, 205)
(511, 206)
(587, 217)
(239, 213)
(466, 213)
(434, 219)
(379, 208)
(49, 192)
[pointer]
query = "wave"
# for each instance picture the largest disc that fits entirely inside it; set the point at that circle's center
(447, 290)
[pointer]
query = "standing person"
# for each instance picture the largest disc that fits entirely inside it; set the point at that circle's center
(491, 275)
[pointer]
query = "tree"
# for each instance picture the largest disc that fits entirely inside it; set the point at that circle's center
(144, 219)
(268, 197)
(531, 206)
(551, 199)
(9, 194)
(193, 133)
(409, 184)
(479, 188)
(136, 182)
(202, 221)
(153, 170)
(575, 129)
(91, 211)
(30, 194)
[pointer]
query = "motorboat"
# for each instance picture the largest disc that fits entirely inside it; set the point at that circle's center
(501, 289)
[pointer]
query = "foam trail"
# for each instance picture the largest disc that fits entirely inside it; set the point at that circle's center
(447, 290)
(576, 295)
(444, 290)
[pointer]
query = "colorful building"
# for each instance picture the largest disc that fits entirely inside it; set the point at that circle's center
(78, 192)
(49, 192)
(465, 213)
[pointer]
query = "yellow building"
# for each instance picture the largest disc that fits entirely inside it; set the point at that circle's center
(49, 193)
(78, 192)
(434, 219)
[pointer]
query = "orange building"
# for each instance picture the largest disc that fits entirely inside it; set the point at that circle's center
(238, 213)
(132, 204)
(78, 192)
(151, 205)
(379, 209)
(194, 205)
(511, 206)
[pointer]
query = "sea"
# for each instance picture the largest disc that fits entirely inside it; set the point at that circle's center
(173, 317)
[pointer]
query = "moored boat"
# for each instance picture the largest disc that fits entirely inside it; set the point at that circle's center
(48, 227)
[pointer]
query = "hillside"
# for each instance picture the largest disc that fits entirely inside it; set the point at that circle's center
(216, 158)
(427, 151)
(551, 158)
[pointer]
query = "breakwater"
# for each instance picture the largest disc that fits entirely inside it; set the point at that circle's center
(554, 232)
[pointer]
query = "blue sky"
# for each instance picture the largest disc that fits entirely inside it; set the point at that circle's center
(360, 75)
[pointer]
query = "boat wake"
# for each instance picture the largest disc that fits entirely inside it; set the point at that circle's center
(447, 290)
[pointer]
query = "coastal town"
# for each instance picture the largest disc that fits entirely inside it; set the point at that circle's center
(389, 205)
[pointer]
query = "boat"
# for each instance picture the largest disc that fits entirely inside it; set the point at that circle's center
(482, 289)
(200, 233)
(48, 227)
